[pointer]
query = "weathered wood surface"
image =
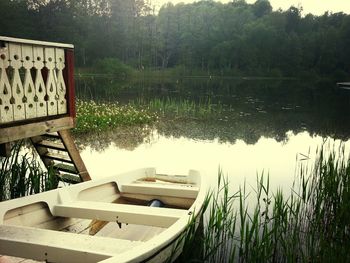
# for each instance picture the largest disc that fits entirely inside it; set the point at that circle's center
(179, 202)
(132, 214)
(68, 74)
(59, 150)
(7, 259)
(35, 42)
(130, 231)
(64, 247)
(9, 134)
(176, 190)
(74, 154)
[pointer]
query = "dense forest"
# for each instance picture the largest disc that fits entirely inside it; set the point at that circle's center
(216, 38)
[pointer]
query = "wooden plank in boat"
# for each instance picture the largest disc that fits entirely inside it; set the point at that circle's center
(73, 225)
(130, 231)
(6, 259)
(122, 213)
(177, 202)
(38, 215)
(54, 246)
(185, 191)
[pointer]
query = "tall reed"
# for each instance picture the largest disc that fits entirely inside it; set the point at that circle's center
(21, 175)
(181, 108)
(311, 224)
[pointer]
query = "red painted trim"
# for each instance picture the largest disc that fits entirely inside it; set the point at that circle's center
(68, 75)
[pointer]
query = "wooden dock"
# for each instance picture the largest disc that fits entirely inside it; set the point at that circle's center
(40, 105)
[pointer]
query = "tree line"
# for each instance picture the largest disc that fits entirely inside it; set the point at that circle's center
(209, 36)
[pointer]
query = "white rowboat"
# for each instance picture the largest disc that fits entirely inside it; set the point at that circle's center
(107, 220)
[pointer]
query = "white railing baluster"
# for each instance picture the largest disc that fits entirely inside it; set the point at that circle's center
(51, 89)
(6, 109)
(61, 86)
(28, 85)
(16, 100)
(40, 89)
(32, 83)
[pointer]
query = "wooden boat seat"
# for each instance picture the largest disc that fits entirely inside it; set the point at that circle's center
(53, 246)
(121, 213)
(175, 190)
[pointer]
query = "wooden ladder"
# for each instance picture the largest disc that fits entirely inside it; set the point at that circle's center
(59, 151)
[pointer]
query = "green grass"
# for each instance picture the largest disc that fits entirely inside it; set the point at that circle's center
(22, 176)
(181, 108)
(92, 116)
(310, 224)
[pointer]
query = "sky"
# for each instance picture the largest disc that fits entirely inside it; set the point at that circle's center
(316, 7)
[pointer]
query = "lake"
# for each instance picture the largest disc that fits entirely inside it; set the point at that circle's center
(262, 126)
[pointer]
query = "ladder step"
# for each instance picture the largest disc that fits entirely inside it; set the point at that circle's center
(65, 168)
(57, 157)
(51, 145)
(69, 178)
(51, 135)
(70, 168)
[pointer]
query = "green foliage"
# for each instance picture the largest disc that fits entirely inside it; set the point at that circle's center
(22, 176)
(92, 116)
(209, 36)
(311, 224)
(113, 66)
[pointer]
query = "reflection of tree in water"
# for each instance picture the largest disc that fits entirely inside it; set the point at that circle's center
(252, 109)
(271, 112)
(251, 128)
(127, 138)
(221, 131)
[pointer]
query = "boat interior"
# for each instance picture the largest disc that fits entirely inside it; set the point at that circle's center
(95, 218)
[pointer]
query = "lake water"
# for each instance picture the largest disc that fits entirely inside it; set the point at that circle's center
(264, 126)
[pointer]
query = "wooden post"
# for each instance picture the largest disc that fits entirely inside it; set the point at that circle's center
(69, 79)
(74, 154)
(5, 150)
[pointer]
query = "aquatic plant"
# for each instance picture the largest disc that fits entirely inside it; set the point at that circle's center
(181, 108)
(92, 116)
(22, 175)
(311, 224)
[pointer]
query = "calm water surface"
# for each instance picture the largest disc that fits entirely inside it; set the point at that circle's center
(263, 126)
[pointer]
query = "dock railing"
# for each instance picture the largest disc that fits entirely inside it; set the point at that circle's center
(36, 88)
